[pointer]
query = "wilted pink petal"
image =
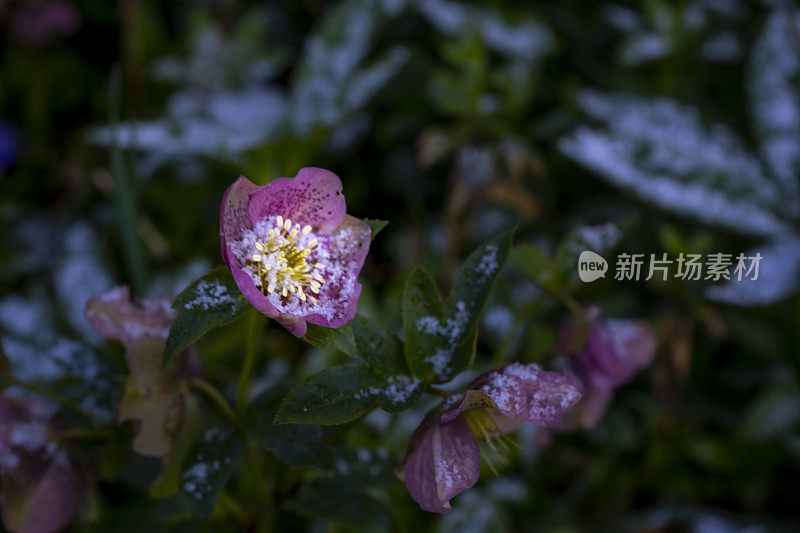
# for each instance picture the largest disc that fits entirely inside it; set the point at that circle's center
(154, 394)
(443, 460)
(293, 251)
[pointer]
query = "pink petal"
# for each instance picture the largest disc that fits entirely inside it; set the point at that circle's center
(296, 325)
(549, 394)
(348, 245)
(634, 343)
(313, 197)
(234, 214)
(114, 316)
(443, 460)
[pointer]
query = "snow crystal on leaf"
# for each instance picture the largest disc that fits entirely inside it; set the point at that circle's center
(210, 295)
(660, 151)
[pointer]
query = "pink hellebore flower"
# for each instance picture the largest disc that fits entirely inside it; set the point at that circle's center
(293, 251)
(41, 488)
(443, 458)
(603, 354)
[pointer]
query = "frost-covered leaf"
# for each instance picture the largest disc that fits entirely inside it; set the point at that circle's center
(295, 444)
(376, 225)
(445, 344)
(421, 301)
(211, 463)
(599, 238)
(343, 393)
(773, 83)
(330, 82)
(778, 276)
(80, 275)
(522, 39)
(210, 302)
(222, 124)
(662, 152)
(335, 395)
(773, 412)
(331, 500)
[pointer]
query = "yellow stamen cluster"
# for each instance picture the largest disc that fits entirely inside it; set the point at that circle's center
(281, 266)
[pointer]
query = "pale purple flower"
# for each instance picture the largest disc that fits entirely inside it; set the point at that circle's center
(40, 487)
(603, 354)
(443, 457)
(294, 252)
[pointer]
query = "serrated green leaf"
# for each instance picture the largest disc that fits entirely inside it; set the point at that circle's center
(378, 347)
(339, 338)
(211, 463)
(376, 225)
(773, 412)
(447, 347)
(209, 302)
(331, 500)
(335, 395)
(297, 445)
(421, 300)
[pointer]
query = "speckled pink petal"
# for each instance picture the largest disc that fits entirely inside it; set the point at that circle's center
(313, 197)
(234, 214)
(444, 461)
(550, 397)
(348, 244)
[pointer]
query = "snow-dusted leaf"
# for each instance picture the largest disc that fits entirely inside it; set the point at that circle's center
(662, 152)
(210, 465)
(330, 82)
(773, 83)
(210, 302)
(523, 39)
(441, 343)
(778, 276)
(339, 338)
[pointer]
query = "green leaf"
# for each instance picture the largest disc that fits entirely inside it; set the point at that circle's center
(339, 338)
(376, 225)
(421, 300)
(343, 393)
(538, 266)
(378, 347)
(335, 395)
(774, 412)
(331, 500)
(208, 469)
(295, 444)
(446, 346)
(209, 302)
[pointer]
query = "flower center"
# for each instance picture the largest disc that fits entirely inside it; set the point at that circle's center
(280, 266)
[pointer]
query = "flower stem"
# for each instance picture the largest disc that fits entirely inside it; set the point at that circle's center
(437, 391)
(251, 351)
(215, 396)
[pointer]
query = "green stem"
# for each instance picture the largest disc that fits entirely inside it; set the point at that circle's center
(215, 396)
(251, 351)
(438, 392)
